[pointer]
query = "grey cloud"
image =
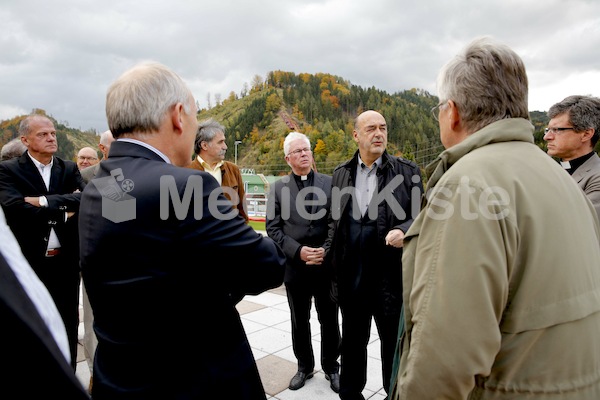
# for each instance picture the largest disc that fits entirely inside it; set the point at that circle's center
(62, 55)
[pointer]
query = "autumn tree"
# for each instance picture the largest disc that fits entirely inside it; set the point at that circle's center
(257, 83)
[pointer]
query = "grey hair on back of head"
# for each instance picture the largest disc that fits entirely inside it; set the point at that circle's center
(487, 81)
(142, 96)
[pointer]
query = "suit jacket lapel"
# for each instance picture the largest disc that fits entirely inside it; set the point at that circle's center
(55, 174)
(32, 174)
(293, 187)
(319, 183)
(583, 170)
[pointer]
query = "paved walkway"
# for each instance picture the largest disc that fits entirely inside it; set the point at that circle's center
(266, 318)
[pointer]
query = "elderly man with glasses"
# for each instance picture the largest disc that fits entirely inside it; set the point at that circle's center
(300, 228)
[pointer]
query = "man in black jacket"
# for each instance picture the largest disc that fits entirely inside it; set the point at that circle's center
(374, 199)
(301, 229)
(40, 195)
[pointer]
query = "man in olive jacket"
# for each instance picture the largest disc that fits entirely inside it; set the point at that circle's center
(501, 269)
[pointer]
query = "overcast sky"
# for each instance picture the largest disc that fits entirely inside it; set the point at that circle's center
(62, 55)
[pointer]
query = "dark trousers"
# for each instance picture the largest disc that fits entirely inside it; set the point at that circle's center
(300, 296)
(356, 330)
(61, 277)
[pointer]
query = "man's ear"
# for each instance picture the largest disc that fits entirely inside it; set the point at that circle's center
(177, 115)
(588, 134)
(454, 115)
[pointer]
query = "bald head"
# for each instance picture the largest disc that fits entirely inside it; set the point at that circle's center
(86, 157)
(366, 115)
(370, 133)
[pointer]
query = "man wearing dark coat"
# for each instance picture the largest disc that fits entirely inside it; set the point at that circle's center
(301, 229)
(374, 197)
(160, 252)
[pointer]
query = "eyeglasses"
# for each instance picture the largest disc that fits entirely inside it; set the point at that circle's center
(435, 111)
(557, 131)
(87, 158)
(300, 151)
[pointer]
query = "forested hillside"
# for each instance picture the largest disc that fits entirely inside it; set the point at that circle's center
(324, 106)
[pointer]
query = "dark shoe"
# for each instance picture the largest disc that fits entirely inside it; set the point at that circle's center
(335, 381)
(299, 379)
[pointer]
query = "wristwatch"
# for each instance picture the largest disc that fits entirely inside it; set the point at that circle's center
(43, 201)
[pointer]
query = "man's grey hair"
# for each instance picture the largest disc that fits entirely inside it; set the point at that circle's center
(106, 138)
(291, 137)
(487, 81)
(140, 98)
(583, 111)
(13, 149)
(207, 130)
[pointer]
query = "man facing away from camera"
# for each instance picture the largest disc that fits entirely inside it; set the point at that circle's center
(158, 250)
(500, 269)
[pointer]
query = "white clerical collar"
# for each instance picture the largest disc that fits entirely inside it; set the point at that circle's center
(565, 164)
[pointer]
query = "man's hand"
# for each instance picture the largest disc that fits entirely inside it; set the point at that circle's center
(34, 201)
(395, 238)
(312, 255)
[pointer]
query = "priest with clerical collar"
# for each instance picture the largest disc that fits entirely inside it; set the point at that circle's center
(572, 134)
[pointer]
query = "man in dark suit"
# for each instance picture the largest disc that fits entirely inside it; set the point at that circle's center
(366, 233)
(159, 249)
(40, 196)
(32, 332)
(301, 229)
